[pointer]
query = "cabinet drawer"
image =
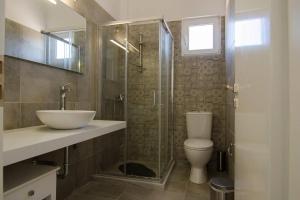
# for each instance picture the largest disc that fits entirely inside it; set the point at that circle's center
(41, 189)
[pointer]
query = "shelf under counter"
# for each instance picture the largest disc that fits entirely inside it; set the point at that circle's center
(22, 144)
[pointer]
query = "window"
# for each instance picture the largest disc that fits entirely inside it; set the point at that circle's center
(249, 32)
(201, 36)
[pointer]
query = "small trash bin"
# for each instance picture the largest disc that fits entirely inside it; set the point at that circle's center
(221, 188)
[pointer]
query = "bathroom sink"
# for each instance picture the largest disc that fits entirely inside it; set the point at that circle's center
(65, 119)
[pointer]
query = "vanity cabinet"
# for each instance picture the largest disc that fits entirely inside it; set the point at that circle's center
(30, 182)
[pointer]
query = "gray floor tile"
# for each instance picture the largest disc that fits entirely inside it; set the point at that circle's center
(107, 189)
(87, 197)
(178, 188)
(198, 189)
(135, 192)
(166, 195)
(195, 196)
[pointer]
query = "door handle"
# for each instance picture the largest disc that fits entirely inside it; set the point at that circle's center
(230, 149)
(235, 88)
(154, 99)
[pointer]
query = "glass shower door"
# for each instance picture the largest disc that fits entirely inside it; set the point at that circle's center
(165, 111)
(137, 87)
(113, 105)
(143, 100)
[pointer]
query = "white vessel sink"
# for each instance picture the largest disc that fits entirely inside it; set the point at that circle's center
(65, 119)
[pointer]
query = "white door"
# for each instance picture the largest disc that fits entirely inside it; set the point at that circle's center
(294, 147)
(260, 118)
(1, 108)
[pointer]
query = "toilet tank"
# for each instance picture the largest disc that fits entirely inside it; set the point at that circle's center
(199, 124)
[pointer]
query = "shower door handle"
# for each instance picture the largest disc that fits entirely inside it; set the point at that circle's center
(154, 98)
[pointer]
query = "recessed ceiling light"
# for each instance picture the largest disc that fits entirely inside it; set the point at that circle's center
(52, 1)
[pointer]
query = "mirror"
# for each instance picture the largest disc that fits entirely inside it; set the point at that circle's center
(47, 32)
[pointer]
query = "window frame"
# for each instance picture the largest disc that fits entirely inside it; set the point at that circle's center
(212, 20)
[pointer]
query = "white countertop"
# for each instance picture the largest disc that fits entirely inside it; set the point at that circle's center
(25, 143)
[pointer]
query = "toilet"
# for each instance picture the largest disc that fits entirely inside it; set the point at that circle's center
(198, 147)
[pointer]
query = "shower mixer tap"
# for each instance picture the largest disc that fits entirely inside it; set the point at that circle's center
(120, 98)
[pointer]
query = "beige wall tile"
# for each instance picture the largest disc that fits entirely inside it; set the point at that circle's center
(42, 84)
(12, 80)
(28, 112)
(12, 113)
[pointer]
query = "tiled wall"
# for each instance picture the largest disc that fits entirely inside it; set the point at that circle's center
(31, 86)
(199, 86)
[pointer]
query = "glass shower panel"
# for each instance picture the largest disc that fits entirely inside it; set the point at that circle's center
(142, 97)
(166, 134)
(137, 86)
(113, 95)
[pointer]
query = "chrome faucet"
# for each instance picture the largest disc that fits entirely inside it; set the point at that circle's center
(63, 91)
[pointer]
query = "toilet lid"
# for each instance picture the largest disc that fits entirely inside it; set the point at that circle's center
(198, 143)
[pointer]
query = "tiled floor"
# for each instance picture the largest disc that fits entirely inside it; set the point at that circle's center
(178, 188)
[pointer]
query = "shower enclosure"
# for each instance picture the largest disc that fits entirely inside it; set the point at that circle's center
(137, 86)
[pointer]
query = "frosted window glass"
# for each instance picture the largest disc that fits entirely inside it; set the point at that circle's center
(201, 37)
(248, 32)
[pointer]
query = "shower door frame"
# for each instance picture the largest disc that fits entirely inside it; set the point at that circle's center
(162, 24)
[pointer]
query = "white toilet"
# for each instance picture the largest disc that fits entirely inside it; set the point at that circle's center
(198, 147)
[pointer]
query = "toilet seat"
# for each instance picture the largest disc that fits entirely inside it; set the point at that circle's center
(198, 144)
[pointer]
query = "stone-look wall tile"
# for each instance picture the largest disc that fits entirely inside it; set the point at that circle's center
(83, 171)
(28, 113)
(83, 106)
(42, 84)
(70, 105)
(67, 185)
(12, 113)
(199, 86)
(12, 77)
(109, 150)
(85, 150)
